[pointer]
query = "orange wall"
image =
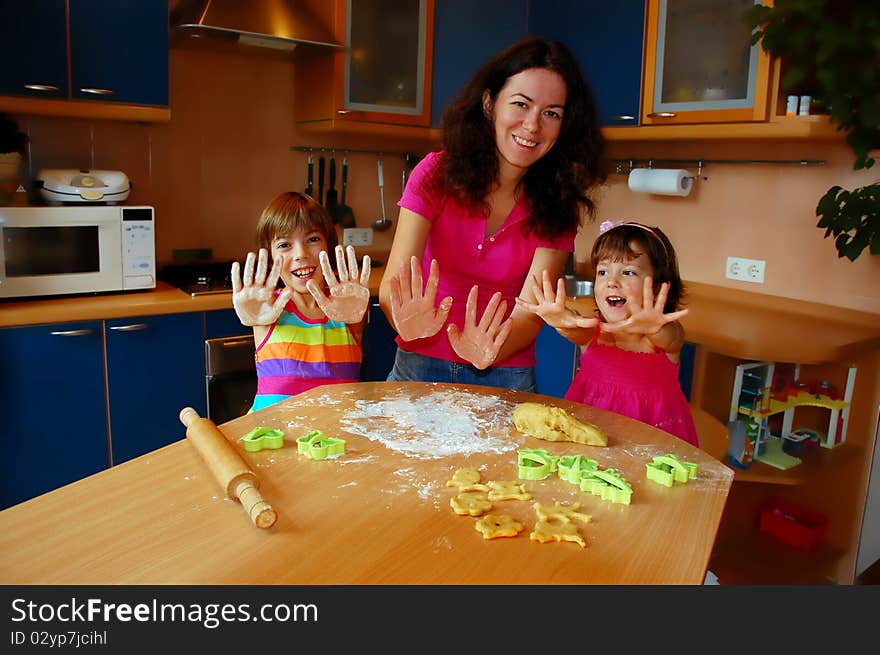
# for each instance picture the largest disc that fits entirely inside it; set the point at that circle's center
(225, 154)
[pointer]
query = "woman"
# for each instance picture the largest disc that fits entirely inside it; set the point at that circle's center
(501, 202)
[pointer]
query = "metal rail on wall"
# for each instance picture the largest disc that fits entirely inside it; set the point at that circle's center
(623, 166)
(410, 158)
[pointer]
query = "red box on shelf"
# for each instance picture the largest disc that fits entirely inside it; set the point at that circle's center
(793, 524)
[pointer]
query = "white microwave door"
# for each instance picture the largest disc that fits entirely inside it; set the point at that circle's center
(75, 252)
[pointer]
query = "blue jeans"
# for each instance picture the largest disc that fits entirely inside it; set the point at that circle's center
(412, 367)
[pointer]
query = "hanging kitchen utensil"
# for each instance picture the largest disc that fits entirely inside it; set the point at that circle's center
(342, 214)
(310, 184)
(321, 165)
(331, 202)
(381, 224)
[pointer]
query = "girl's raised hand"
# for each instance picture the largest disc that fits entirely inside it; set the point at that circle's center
(253, 294)
(479, 343)
(412, 309)
(551, 307)
(649, 318)
(349, 296)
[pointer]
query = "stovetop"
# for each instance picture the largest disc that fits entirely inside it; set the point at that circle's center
(199, 278)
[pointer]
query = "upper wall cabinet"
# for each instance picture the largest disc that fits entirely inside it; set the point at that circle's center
(607, 38)
(466, 35)
(700, 66)
(384, 73)
(60, 52)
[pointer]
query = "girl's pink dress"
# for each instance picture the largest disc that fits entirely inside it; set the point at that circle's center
(643, 386)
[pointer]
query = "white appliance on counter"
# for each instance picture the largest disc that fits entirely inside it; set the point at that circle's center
(72, 186)
(49, 251)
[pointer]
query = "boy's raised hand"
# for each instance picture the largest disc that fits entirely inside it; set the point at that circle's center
(349, 295)
(550, 305)
(253, 294)
(412, 309)
(479, 343)
(647, 319)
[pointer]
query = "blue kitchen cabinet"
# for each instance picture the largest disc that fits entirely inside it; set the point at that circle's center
(155, 368)
(378, 345)
(54, 422)
(224, 323)
(34, 38)
(686, 368)
(118, 51)
(557, 360)
(608, 39)
(466, 35)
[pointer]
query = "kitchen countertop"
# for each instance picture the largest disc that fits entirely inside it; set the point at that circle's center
(727, 321)
(375, 515)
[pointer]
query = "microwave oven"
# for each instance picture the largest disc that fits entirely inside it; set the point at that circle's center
(50, 251)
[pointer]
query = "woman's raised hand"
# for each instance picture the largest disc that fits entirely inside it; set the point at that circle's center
(550, 305)
(253, 294)
(479, 343)
(349, 295)
(412, 309)
(649, 318)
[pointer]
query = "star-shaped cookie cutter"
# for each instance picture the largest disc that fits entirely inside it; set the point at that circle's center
(668, 469)
(608, 485)
(260, 438)
(572, 467)
(318, 446)
(535, 463)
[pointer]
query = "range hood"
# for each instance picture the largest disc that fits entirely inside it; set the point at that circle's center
(270, 27)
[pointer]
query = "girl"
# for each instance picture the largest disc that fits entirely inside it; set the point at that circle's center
(303, 337)
(503, 199)
(630, 363)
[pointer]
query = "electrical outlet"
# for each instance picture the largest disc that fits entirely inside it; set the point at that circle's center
(747, 270)
(357, 236)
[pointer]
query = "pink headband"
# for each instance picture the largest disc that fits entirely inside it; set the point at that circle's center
(604, 226)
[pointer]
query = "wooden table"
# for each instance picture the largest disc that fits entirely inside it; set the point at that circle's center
(379, 514)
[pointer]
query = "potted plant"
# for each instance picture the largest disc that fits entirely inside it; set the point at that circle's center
(12, 147)
(831, 50)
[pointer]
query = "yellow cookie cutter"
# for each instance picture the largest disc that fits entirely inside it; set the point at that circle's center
(668, 469)
(260, 438)
(535, 463)
(608, 485)
(572, 467)
(318, 446)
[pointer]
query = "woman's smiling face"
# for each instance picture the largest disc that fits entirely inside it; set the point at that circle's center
(527, 115)
(299, 251)
(616, 280)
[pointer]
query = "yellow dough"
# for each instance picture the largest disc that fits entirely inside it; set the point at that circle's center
(510, 490)
(466, 479)
(555, 424)
(498, 525)
(545, 532)
(473, 503)
(563, 513)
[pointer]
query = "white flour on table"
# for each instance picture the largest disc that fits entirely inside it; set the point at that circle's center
(437, 425)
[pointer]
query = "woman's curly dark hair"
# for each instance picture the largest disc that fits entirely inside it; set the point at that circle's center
(558, 185)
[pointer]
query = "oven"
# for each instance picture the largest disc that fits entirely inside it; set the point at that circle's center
(230, 376)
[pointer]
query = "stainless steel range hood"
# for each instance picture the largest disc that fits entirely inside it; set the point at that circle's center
(269, 27)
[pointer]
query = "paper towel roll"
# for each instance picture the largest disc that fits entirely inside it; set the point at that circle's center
(662, 181)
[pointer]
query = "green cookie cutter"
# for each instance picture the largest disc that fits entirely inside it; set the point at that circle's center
(318, 446)
(668, 469)
(572, 467)
(535, 463)
(260, 438)
(608, 485)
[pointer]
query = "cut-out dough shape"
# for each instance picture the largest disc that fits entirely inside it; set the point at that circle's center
(466, 479)
(498, 525)
(555, 424)
(560, 512)
(473, 503)
(508, 490)
(545, 532)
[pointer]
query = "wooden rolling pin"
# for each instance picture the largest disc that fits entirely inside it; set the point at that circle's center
(228, 467)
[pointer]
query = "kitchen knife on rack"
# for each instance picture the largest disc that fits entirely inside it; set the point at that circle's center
(342, 214)
(332, 201)
(310, 184)
(321, 165)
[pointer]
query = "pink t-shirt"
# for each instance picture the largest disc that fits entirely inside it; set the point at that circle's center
(467, 256)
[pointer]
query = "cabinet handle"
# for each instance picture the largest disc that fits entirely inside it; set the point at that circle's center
(98, 92)
(130, 328)
(238, 343)
(42, 87)
(343, 112)
(662, 114)
(71, 333)
(624, 117)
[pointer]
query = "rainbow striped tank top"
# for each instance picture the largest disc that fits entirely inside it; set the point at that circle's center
(300, 353)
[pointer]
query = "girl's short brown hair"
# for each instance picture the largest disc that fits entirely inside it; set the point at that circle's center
(292, 211)
(614, 244)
